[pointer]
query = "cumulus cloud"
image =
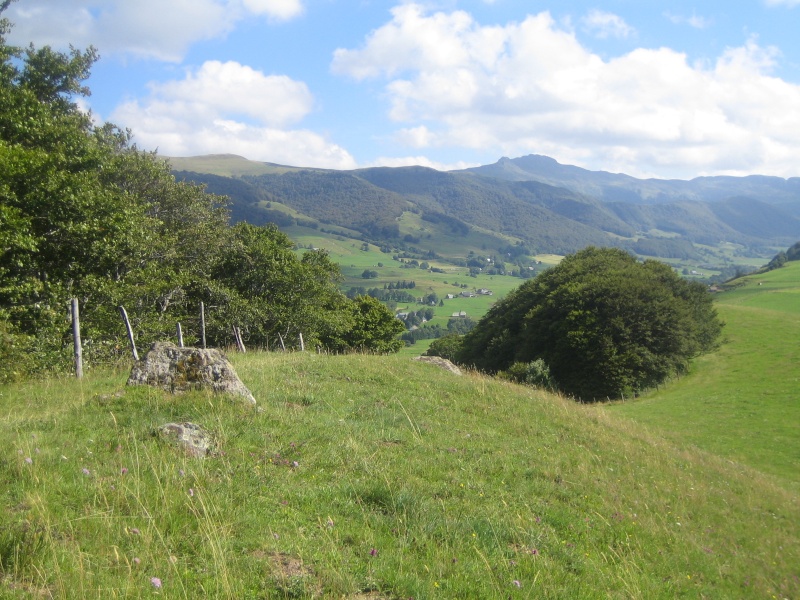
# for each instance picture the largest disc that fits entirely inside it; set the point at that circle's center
(604, 25)
(145, 28)
(231, 108)
(532, 87)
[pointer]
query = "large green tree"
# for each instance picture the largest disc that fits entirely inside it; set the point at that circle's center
(604, 323)
(85, 214)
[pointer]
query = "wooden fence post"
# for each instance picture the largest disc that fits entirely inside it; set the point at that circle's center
(302, 344)
(125, 320)
(237, 336)
(283, 346)
(76, 338)
(179, 333)
(203, 324)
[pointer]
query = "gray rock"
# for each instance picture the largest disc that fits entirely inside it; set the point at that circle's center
(182, 369)
(440, 362)
(192, 438)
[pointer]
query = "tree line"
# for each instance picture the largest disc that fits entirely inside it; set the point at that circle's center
(86, 214)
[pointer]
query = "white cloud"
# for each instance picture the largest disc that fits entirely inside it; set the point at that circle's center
(275, 9)
(789, 3)
(531, 87)
(696, 21)
(604, 25)
(231, 108)
(419, 161)
(145, 28)
(416, 137)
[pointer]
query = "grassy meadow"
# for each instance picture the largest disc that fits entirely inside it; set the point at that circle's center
(743, 401)
(373, 478)
(370, 477)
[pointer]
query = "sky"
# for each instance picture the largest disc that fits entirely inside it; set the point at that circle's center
(675, 89)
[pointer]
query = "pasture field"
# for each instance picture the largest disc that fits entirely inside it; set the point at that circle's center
(742, 401)
(354, 260)
(372, 478)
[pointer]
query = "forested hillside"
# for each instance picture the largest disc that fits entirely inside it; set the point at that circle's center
(551, 209)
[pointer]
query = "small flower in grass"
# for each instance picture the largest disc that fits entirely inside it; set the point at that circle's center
(295, 464)
(28, 460)
(517, 583)
(135, 531)
(86, 471)
(373, 552)
(156, 582)
(137, 561)
(191, 492)
(534, 551)
(181, 472)
(123, 470)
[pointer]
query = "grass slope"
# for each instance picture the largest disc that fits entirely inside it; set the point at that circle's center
(372, 477)
(742, 401)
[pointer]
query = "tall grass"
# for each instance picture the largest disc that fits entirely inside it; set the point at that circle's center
(372, 477)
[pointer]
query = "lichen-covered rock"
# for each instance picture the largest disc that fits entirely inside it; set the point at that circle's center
(192, 438)
(440, 362)
(182, 369)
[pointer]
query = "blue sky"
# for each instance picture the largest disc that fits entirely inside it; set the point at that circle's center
(673, 90)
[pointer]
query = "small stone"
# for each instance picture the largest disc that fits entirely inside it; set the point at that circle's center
(440, 362)
(191, 437)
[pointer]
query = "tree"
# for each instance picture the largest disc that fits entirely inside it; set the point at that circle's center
(448, 346)
(374, 327)
(793, 253)
(86, 214)
(605, 324)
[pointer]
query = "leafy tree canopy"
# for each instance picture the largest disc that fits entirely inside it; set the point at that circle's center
(85, 214)
(604, 323)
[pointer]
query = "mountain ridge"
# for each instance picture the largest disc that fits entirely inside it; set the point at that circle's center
(550, 207)
(619, 186)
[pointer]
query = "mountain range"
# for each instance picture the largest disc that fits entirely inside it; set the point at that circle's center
(533, 201)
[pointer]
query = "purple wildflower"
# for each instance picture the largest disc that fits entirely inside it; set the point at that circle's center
(123, 470)
(191, 492)
(373, 552)
(135, 531)
(156, 582)
(86, 471)
(517, 583)
(137, 560)
(29, 460)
